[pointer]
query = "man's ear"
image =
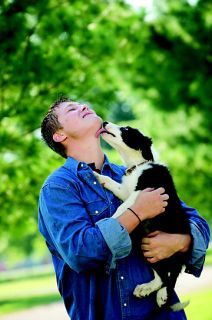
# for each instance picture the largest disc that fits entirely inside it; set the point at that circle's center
(59, 137)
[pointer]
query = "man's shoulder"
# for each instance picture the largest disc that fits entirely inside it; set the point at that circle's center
(61, 176)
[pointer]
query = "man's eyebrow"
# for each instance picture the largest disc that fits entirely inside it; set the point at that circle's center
(71, 104)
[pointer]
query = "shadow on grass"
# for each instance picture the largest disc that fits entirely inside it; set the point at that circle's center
(9, 306)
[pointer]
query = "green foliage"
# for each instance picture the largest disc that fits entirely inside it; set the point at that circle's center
(153, 73)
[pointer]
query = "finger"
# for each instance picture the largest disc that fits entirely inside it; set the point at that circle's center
(148, 189)
(160, 190)
(153, 234)
(165, 203)
(145, 241)
(147, 254)
(144, 247)
(165, 196)
(152, 260)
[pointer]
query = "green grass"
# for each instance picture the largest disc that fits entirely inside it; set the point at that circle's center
(23, 303)
(23, 293)
(200, 307)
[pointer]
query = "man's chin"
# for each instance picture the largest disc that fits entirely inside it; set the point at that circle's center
(99, 128)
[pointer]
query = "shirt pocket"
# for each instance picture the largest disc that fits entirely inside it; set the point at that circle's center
(98, 209)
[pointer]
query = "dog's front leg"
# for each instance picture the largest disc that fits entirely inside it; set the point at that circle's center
(117, 188)
(126, 204)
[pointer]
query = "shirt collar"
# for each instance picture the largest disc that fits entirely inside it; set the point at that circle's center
(71, 164)
(74, 165)
(107, 164)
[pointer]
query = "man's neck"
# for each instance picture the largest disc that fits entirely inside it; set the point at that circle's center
(88, 153)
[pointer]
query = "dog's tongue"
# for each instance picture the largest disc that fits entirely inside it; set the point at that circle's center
(101, 130)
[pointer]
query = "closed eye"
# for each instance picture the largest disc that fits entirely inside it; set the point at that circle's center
(72, 109)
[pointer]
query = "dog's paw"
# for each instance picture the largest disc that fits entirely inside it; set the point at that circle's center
(102, 179)
(142, 290)
(96, 174)
(162, 296)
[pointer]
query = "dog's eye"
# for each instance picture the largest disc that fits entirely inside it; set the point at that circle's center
(125, 129)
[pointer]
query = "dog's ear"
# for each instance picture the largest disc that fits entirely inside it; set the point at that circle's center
(146, 149)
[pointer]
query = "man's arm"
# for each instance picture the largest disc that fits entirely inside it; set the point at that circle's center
(68, 228)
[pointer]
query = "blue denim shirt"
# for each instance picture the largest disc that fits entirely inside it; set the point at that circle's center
(86, 244)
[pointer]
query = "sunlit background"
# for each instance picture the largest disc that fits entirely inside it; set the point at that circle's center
(144, 63)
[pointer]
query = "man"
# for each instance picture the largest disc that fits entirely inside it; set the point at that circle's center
(96, 266)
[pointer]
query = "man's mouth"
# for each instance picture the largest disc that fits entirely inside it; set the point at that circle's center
(86, 114)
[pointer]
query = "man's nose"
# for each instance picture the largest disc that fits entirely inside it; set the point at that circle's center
(84, 107)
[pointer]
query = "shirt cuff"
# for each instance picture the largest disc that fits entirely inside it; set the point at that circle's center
(117, 239)
(197, 257)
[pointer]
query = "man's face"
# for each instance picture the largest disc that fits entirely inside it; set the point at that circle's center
(77, 119)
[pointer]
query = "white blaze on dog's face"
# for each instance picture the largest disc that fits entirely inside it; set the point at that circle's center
(131, 144)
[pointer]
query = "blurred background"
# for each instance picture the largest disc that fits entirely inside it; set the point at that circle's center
(143, 63)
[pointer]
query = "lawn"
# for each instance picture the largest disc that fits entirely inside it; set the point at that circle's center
(26, 291)
(200, 305)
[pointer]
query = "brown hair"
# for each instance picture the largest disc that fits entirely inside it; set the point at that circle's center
(50, 125)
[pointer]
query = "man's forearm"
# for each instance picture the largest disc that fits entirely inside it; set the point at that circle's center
(128, 220)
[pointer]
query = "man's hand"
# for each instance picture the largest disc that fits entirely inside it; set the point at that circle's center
(149, 203)
(159, 245)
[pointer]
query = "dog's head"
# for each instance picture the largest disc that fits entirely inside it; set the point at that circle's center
(132, 145)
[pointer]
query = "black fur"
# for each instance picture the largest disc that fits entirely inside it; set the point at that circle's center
(173, 220)
(136, 140)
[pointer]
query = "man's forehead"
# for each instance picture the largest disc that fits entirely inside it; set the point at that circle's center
(66, 104)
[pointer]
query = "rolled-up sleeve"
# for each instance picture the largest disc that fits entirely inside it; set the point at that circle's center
(197, 258)
(200, 233)
(117, 239)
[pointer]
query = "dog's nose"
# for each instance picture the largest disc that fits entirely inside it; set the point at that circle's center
(104, 124)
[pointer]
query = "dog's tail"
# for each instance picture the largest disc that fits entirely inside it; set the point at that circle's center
(179, 306)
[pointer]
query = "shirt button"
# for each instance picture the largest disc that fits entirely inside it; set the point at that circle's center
(94, 182)
(125, 304)
(96, 211)
(122, 278)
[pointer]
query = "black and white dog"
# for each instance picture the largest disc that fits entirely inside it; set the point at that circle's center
(135, 150)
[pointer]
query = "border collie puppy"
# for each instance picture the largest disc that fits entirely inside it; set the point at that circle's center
(135, 150)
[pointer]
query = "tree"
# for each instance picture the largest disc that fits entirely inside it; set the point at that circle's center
(108, 54)
(48, 48)
(169, 64)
